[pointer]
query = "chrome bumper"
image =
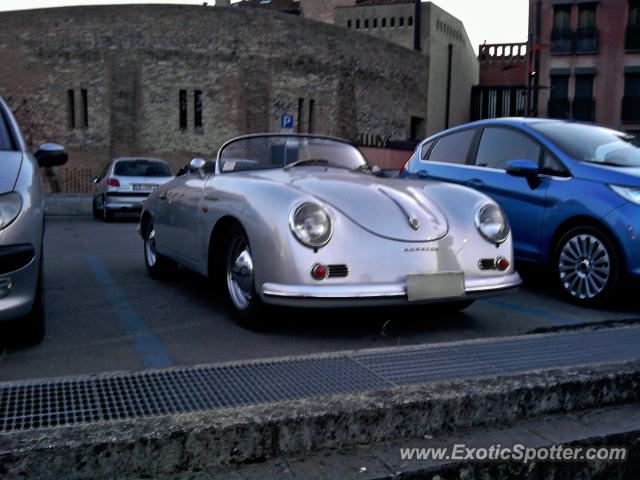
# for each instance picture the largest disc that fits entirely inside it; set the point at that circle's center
(375, 293)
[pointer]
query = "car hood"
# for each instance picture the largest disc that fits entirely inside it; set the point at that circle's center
(382, 206)
(10, 163)
(628, 176)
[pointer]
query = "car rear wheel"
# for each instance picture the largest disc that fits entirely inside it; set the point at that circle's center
(158, 265)
(245, 303)
(586, 266)
(107, 215)
(96, 211)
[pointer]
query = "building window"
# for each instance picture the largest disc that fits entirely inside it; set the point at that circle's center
(587, 33)
(632, 37)
(300, 111)
(559, 97)
(561, 34)
(183, 109)
(85, 108)
(583, 102)
(375, 23)
(631, 99)
(358, 24)
(384, 23)
(311, 114)
(348, 23)
(197, 109)
(417, 128)
(392, 22)
(411, 21)
(72, 108)
(401, 22)
(366, 23)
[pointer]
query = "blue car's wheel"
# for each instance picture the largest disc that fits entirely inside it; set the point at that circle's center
(586, 266)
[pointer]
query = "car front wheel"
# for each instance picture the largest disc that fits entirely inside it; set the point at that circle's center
(239, 278)
(158, 265)
(586, 266)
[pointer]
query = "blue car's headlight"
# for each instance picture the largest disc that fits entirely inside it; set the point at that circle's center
(631, 194)
(492, 223)
(10, 206)
(311, 224)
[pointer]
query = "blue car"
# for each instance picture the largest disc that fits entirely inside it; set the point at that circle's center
(571, 192)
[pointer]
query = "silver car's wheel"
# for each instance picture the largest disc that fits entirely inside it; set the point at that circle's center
(150, 249)
(586, 265)
(158, 265)
(239, 274)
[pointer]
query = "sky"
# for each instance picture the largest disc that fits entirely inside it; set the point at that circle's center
(493, 21)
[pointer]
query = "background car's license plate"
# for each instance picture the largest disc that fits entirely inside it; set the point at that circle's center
(144, 186)
(435, 285)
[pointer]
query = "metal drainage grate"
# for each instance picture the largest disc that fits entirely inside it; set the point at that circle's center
(31, 405)
(37, 405)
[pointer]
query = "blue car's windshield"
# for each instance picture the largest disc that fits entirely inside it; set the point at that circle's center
(593, 144)
(287, 151)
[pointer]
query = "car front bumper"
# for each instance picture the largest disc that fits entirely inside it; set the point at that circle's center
(18, 280)
(373, 294)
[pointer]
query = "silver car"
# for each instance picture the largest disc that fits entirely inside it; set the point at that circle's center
(124, 183)
(300, 220)
(22, 227)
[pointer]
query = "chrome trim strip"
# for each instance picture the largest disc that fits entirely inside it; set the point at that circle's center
(380, 290)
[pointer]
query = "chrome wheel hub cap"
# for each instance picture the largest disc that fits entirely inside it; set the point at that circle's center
(240, 274)
(584, 266)
(150, 249)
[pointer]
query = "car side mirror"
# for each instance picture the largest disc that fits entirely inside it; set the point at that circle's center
(51, 155)
(197, 165)
(376, 171)
(522, 168)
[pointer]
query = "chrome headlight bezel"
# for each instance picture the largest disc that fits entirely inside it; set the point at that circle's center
(502, 232)
(630, 194)
(10, 208)
(298, 229)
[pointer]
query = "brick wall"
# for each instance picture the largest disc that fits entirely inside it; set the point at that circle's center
(249, 65)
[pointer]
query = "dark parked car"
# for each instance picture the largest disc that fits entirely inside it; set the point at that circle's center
(571, 192)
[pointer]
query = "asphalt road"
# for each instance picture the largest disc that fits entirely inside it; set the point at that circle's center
(104, 313)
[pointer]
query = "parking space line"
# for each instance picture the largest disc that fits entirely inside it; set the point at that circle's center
(145, 343)
(536, 313)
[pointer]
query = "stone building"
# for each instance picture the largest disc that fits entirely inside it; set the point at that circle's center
(587, 60)
(177, 81)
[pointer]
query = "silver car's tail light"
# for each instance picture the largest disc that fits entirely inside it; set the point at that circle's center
(310, 224)
(10, 206)
(492, 223)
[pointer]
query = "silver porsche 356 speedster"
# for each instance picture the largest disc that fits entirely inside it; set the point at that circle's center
(301, 220)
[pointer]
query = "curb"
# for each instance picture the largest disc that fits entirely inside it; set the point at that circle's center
(196, 441)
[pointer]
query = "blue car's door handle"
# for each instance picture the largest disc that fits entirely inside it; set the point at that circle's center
(423, 173)
(475, 182)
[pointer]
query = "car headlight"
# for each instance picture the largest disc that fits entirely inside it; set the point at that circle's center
(631, 194)
(310, 224)
(492, 223)
(10, 206)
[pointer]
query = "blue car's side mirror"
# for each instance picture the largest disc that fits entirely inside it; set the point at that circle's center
(522, 168)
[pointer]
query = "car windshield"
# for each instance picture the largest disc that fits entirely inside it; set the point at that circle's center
(142, 168)
(593, 144)
(288, 151)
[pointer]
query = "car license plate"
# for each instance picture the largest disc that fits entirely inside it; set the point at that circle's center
(435, 285)
(144, 186)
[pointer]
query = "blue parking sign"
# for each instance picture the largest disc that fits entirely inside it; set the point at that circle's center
(286, 121)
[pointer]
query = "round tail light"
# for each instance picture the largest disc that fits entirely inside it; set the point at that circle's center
(319, 272)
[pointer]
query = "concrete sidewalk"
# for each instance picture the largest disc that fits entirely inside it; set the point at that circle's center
(161, 422)
(68, 204)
